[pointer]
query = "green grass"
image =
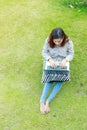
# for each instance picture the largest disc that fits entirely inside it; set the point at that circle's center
(75, 3)
(24, 25)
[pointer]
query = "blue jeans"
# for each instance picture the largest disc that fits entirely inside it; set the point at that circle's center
(46, 89)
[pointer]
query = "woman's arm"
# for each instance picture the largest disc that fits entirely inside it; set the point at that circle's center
(70, 51)
(45, 51)
(70, 54)
(46, 54)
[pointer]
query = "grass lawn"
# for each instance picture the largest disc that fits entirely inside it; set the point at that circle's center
(24, 25)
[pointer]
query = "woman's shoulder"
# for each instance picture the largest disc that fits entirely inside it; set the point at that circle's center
(47, 41)
(69, 41)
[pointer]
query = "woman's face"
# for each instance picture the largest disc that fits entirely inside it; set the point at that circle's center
(58, 41)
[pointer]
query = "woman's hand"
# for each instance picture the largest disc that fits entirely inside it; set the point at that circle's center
(63, 63)
(53, 63)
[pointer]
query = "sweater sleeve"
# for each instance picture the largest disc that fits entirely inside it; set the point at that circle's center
(45, 51)
(70, 51)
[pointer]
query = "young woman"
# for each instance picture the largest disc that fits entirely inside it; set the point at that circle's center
(58, 48)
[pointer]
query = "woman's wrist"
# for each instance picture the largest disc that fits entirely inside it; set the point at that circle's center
(67, 60)
(50, 59)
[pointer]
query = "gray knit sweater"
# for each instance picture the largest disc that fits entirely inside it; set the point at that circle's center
(58, 53)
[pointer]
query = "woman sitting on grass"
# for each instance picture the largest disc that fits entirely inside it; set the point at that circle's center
(58, 48)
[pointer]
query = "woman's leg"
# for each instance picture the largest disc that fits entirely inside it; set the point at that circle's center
(55, 90)
(46, 89)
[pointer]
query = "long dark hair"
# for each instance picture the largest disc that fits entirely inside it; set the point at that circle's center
(55, 34)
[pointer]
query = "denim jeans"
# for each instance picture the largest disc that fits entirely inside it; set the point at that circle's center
(46, 89)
